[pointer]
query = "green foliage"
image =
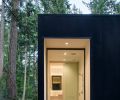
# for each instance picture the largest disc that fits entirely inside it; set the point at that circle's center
(103, 6)
(55, 6)
(27, 38)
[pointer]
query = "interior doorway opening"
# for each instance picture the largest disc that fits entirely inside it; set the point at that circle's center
(67, 69)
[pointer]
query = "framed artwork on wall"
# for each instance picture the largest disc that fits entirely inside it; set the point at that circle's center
(56, 82)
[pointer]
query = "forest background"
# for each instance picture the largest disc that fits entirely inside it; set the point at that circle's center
(19, 45)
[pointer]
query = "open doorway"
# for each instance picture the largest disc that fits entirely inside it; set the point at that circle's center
(67, 69)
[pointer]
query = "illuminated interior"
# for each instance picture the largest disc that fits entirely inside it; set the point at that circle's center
(67, 69)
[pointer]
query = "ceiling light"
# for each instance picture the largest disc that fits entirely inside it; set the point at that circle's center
(65, 53)
(66, 43)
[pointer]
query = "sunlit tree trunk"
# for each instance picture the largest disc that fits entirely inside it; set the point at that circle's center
(12, 93)
(25, 74)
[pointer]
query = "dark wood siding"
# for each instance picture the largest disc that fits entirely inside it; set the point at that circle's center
(104, 31)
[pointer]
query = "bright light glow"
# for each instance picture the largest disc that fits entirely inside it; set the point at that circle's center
(66, 43)
(65, 53)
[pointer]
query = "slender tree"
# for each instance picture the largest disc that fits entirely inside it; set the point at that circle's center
(25, 74)
(1, 38)
(12, 51)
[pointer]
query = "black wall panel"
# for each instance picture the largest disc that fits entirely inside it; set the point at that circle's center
(104, 32)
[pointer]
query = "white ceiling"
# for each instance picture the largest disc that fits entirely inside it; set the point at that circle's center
(71, 55)
(60, 43)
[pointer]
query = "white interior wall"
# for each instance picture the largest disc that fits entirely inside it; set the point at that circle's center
(70, 83)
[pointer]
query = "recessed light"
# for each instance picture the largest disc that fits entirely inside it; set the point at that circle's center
(65, 53)
(66, 43)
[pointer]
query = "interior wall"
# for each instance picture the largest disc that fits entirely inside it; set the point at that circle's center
(70, 81)
(87, 71)
(55, 70)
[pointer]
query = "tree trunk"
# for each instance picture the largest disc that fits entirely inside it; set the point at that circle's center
(1, 39)
(25, 74)
(35, 72)
(12, 52)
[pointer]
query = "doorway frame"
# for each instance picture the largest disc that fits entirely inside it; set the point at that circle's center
(41, 42)
(80, 49)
